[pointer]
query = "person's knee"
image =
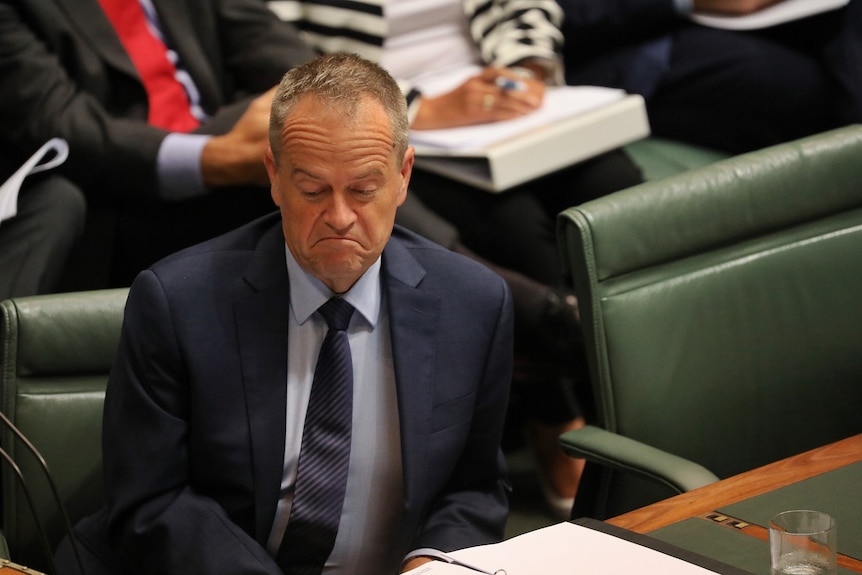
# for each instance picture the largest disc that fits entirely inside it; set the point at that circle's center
(50, 222)
(68, 211)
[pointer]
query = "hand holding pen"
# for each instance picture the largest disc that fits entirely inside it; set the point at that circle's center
(505, 84)
(510, 92)
(493, 95)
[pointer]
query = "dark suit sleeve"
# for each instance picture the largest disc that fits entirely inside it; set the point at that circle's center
(594, 26)
(616, 13)
(259, 48)
(162, 489)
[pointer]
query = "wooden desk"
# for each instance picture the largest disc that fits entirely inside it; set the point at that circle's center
(705, 501)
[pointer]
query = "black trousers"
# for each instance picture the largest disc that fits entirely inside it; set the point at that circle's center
(739, 91)
(516, 229)
(35, 244)
(144, 234)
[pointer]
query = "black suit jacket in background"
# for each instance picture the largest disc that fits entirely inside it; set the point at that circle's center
(65, 74)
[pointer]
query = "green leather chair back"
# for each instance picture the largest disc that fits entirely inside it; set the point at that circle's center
(660, 158)
(722, 310)
(57, 351)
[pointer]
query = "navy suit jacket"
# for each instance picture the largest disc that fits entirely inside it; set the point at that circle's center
(194, 422)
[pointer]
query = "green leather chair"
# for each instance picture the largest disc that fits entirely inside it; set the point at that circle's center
(722, 317)
(57, 351)
(660, 158)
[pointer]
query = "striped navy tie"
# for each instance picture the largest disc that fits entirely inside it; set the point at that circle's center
(324, 456)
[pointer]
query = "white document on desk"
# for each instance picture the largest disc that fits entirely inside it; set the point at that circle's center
(780, 13)
(575, 123)
(563, 549)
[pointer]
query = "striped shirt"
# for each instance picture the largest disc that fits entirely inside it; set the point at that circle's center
(504, 32)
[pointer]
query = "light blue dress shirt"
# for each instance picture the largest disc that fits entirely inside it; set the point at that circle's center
(375, 493)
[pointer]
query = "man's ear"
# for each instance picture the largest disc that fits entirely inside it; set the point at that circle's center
(406, 172)
(269, 162)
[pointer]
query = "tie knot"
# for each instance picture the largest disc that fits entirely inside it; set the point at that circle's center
(337, 313)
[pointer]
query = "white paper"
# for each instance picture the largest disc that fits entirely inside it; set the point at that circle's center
(784, 11)
(560, 102)
(10, 188)
(564, 549)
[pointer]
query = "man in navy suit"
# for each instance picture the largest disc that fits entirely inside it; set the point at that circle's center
(206, 402)
(733, 90)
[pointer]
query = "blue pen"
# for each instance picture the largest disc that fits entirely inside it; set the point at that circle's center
(506, 84)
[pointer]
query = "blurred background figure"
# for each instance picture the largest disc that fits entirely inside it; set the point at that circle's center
(730, 90)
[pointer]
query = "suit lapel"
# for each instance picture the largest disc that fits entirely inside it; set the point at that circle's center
(179, 23)
(413, 315)
(262, 320)
(95, 28)
(176, 20)
(262, 323)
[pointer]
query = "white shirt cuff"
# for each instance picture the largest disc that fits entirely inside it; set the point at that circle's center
(179, 167)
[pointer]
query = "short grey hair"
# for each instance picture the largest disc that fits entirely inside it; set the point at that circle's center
(340, 79)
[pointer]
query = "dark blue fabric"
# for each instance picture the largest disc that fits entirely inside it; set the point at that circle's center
(324, 457)
(731, 90)
(216, 318)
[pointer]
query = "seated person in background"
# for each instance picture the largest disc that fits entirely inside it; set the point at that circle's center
(447, 55)
(212, 448)
(166, 131)
(35, 243)
(734, 91)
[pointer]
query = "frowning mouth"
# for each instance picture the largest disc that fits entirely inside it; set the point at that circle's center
(327, 239)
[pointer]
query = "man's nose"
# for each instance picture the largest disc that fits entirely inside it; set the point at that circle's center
(340, 214)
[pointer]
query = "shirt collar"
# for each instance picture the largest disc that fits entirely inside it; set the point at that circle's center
(307, 293)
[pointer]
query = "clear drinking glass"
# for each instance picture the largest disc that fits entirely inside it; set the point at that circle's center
(803, 542)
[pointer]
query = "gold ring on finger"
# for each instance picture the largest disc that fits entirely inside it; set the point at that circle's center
(488, 102)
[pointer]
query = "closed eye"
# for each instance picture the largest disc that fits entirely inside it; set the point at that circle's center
(365, 193)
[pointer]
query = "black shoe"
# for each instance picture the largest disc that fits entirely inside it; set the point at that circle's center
(555, 333)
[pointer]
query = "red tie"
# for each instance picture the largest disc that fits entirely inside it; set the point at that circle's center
(169, 104)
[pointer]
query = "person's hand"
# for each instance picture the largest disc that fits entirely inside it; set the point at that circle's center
(732, 7)
(236, 158)
(480, 100)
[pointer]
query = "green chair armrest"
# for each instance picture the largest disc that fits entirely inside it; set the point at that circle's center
(624, 454)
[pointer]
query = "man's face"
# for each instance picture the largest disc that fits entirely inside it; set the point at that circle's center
(338, 184)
